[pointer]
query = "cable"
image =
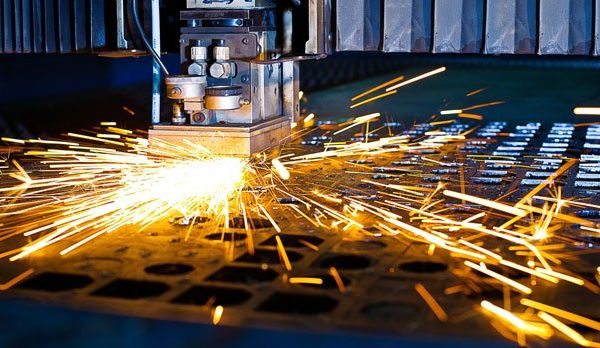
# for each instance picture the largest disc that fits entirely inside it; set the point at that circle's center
(138, 24)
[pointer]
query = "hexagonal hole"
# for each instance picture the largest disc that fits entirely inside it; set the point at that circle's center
(226, 236)
(56, 282)
(243, 275)
(294, 241)
(131, 289)
(261, 256)
(281, 302)
(328, 282)
(169, 269)
(202, 294)
(390, 311)
(238, 222)
(345, 262)
(423, 267)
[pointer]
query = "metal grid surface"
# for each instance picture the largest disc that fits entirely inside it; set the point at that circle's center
(156, 273)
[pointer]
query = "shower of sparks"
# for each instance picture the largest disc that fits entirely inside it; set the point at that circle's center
(80, 191)
(72, 191)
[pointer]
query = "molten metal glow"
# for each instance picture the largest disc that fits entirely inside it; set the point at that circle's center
(522, 325)
(84, 192)
(217, 314)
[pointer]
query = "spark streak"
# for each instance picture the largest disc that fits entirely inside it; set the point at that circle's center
(520, 324)
(417, 78)
(431, 302)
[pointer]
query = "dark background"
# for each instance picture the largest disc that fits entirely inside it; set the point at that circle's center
(47, 95)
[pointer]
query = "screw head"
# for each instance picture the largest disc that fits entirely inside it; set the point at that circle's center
(198, 117)
(176, 91)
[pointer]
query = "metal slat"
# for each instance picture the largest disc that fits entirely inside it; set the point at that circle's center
(596, 51)
(358, 25)
(50, 45)
(18, 26)
(38, 26)
(26, 25)
(1, 27)
(511, 26)
(458, 26)
(8, 27)
(98, 25)
(79, 25)
(565, 26)
(407, 26)
(64, 26)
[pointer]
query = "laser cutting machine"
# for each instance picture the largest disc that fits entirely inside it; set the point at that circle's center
(237, 91)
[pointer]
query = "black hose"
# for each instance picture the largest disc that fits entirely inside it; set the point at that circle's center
(138, 24)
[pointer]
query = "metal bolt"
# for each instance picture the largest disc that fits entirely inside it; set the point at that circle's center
(176, 91)
(245, 41)
(245, 79)
(217, 70)
(198, 117)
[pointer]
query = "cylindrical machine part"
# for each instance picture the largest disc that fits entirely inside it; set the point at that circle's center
(178, 116)
(198, 53)
(185, 87)
(221, 53)
(223, 97)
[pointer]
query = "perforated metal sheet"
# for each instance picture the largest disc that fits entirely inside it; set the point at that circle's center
(156, 273)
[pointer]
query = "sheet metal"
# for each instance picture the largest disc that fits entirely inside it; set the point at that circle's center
(458, 26)
(565, 26)
(64, 26)
(358, 25)
(407, 26)
(511, 26)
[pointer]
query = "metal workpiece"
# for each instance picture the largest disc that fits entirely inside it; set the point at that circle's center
(180, 271)
(565, 26)
(511, 26)
(458, 26)
(358, 25)
(228, 140)
(407, 25)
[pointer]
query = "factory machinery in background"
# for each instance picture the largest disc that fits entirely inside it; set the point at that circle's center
(237, 93)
